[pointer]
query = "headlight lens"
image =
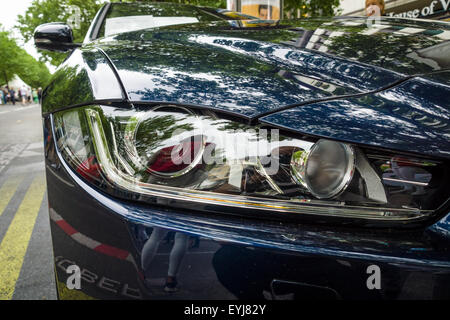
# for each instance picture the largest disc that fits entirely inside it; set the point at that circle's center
(175, 156)
(326, 170)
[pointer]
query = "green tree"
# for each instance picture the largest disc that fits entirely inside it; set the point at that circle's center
(44, 11)
(8, 57)
(15, 60)
(33, 72)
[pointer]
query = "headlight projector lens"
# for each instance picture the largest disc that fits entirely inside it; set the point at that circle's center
(326, 169)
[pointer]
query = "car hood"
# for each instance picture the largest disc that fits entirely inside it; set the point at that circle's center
(254, 69)
(413, 117)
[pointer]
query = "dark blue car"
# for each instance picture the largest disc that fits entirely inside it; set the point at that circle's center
(190, 155)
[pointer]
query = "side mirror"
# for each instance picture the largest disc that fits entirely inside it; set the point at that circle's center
(55, 36)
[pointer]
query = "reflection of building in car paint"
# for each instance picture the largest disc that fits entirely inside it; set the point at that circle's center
(433, 58)
(322, 38)
(310, 82)
(418, 9)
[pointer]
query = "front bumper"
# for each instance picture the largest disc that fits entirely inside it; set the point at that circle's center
(125, 251)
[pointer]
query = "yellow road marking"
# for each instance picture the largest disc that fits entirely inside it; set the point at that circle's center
(69, 294)
(15, 242)
(7, 191)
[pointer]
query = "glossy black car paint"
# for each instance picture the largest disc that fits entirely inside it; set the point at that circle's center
(55, 36)
(412, 116)
(241, 72)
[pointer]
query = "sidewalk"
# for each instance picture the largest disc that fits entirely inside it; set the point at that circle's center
(6, 108)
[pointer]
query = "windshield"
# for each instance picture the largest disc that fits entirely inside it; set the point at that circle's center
(126, 17)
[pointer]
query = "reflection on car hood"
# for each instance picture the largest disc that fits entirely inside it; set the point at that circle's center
(412, 117)
(253, 71)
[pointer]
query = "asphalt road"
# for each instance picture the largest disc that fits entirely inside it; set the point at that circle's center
(26, 257)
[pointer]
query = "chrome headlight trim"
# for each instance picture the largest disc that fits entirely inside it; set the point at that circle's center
(310, 207)
(118, 180)
(131, 142)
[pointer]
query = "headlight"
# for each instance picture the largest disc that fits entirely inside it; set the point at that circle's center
(175, 156)
(326, 170)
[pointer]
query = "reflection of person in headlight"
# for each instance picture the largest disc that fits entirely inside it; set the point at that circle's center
(407, 172)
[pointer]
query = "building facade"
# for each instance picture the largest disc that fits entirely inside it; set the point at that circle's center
(419, 9)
